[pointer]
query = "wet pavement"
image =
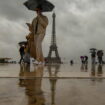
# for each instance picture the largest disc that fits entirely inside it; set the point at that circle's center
(52, 85)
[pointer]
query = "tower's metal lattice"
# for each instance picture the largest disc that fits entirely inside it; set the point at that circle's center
(53, 47)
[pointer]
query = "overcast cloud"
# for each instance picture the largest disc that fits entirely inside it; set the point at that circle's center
(80, 25)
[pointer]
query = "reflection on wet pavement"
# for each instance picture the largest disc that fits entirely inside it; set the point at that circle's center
(63, 71)
(32, 86)
(35, 89)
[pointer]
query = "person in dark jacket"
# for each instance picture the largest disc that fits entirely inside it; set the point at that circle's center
(93, 57)
(21, 50)
(100, 55)
(82, 59)
(86, 59)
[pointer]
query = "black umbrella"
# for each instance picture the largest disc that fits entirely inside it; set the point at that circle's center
(22, 43)
(32, 4)
(93, 49)
(45, 6)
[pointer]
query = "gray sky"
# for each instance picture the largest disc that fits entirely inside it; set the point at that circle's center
(80, 25)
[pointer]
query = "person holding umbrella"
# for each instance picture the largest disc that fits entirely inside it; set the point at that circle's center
(39, 24)
(93, 55)
(21, 50)
(100, 55)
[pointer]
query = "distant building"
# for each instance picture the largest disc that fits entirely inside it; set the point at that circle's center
(4, 60)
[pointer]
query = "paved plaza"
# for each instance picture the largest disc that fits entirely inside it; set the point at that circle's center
(52, 84)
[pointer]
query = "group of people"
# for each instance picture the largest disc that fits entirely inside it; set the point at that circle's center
(33, 47)
(99, 55)
(94, 53)
(84, 59)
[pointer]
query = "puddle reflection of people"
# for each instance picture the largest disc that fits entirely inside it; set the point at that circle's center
(84, 67)
(99, 70)
(23, 68)
(98, 73)
(33, 86)
(21, 74)
(93, 72)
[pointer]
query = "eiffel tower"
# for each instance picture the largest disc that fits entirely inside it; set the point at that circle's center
(53, 46)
